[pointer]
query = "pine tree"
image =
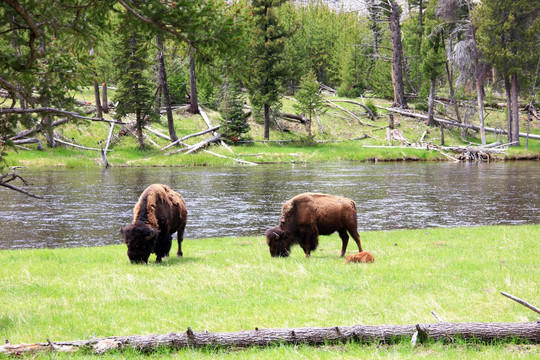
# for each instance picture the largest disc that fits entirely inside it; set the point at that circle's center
(233, 118)
(267, 55)
(133, 92)
(309, 98)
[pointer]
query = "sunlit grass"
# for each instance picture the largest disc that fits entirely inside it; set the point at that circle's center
(232, 284)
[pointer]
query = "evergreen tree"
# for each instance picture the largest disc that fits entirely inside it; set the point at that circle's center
(133, 94)
(233, 119)
(267, 47)
(309, 98)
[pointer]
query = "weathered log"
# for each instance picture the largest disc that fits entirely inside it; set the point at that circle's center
(190, 136)
(76, 146)
(38, 128)
(349, 112)
(300, 118)
(529, 331)
(200, 145)
(368, 110)
(29, 141)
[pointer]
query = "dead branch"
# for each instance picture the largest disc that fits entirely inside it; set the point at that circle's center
(7, 178)
(522, 302)
(76, 146)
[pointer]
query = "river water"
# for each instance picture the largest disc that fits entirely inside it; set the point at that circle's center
(88, 207)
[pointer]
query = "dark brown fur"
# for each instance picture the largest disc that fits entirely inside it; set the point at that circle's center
(306, 216)
(361, 257)
(159, 213)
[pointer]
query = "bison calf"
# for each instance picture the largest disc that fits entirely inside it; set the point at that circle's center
(159, 213)
(306, 216)
(361, 257)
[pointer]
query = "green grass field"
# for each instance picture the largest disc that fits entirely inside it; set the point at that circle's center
(232, 284)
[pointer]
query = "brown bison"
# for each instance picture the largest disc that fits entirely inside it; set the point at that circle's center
(306, 216)
(361, 257)
(159, 213)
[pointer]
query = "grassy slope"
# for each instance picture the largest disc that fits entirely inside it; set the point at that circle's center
(337, 125)
(233, 284)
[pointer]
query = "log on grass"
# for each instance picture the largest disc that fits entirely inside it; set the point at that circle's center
(487, 332)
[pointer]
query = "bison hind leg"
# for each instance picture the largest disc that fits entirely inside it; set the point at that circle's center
(345, 241)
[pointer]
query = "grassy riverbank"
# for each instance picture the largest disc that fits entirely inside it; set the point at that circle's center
(343, 139)
(232, 284)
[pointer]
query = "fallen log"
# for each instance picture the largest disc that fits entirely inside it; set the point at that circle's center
(200, 145)
(38, 128)
(190, 136)
(76, 146)
(487, 332)
(348, 112)
(368, 110)
(300, 118)
(49, 110)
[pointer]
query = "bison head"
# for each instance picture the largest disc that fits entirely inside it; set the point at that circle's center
(140, 240)
(277, 241)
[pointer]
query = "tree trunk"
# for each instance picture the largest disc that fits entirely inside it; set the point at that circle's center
(105, 100)
(266, 121)
(507, 87)
(515, 111)
(450, 75)
(165, 89)
(387, 334)
(193, 101)
(99, 112)
(431, 102)
(397, 57)
(479, 77)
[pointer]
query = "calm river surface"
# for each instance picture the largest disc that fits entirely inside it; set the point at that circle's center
(88, 207)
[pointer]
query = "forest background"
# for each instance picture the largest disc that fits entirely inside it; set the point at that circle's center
(68, 65)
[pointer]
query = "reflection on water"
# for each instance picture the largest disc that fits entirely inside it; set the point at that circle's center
(88, 207)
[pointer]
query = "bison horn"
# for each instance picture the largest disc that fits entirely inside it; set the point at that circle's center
(276, 234)
(151, 236)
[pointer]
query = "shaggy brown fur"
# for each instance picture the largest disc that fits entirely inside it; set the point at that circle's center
(159, 213)
(362, 257)
(306, 216)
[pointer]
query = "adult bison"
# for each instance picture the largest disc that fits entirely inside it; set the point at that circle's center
(159, 213)
(306, 216)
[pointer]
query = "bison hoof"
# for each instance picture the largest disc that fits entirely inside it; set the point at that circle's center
(180, 254)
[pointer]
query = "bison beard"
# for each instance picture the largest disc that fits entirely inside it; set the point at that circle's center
(306, 216)
(159, 213)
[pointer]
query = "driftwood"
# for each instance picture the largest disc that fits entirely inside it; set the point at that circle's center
(455, 123)
(529, 331)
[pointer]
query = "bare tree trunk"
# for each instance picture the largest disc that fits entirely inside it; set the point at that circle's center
(105, 100)
(431, 102)
(193, 102)
(450, 75)
(165, 89)
(507, 87)
(515, 111)
(99, 112)
(266, 121)
(479, 77)
(397, 57)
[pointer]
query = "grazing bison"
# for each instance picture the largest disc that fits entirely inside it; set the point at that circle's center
(159, 213)
(306, 216)
(361, 257)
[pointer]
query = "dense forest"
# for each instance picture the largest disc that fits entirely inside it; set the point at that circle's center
(156, 54)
